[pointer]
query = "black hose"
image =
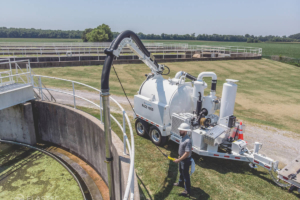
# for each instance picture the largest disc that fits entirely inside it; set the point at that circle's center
(109, 58)
(167, 72)
(191, 77)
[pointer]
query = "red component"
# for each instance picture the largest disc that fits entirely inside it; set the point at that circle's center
(227, 156)
(147, 120)
(216, 154)
(237, 158)
(157, 125)
(285, 178)
(142, 118)
(177, 140)
(267, 167)
(256, 161)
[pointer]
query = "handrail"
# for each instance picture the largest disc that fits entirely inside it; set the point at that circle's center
(130, 144)
(14, 75)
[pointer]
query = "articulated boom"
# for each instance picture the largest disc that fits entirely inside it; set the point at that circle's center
(149, 61)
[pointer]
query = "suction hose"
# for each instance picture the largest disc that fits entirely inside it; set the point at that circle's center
(109, 58)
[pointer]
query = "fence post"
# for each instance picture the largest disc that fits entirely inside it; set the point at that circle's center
(41, 89)
(74, 95)
(124, 132)
(11, 77)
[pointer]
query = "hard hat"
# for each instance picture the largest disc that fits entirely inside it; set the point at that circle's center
(184, 127)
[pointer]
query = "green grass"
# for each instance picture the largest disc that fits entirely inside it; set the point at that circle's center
(212, 179)
(268, 49)
(46, 40)
(268, 91)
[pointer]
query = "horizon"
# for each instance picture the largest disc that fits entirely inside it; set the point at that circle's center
(169, 17)
(147, 33)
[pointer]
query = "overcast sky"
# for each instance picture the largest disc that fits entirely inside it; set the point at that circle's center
(236, 17)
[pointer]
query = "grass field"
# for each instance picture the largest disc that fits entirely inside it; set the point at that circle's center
(268, 91)
(268, 49)
(213, 178)
(38, 40)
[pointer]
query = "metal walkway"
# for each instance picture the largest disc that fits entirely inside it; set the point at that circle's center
(15, 84)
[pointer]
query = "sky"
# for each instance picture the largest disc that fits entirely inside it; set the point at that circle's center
(232, 17)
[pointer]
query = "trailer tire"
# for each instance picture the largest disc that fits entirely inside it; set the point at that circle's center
(156, 137)
(141, 127)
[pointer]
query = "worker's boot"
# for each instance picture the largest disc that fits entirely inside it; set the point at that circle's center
(179, 185)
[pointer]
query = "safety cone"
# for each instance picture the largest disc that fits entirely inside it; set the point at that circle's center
(241, 135)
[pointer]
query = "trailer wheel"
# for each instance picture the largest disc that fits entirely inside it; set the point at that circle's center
(156, 136)
(141, 127)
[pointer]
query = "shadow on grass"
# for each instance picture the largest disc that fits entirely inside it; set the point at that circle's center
(171, 178)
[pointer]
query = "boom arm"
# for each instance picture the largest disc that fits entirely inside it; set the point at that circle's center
(149, 61)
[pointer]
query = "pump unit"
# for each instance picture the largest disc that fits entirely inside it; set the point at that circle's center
(161, 105)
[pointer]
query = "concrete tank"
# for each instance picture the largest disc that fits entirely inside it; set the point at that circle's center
(177, 96)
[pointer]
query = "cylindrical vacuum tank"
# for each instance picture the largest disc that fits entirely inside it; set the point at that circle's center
(228, 98)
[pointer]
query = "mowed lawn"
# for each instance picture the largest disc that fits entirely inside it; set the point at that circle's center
(213, 178)
(268, 91)
(268, 48)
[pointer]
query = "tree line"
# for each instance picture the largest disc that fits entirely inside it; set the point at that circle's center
(103, 33)
(37, 33)
(216, 37)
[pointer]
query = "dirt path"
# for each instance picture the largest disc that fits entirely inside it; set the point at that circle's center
(278, 144)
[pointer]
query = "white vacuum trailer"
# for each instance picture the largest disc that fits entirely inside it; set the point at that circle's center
(161, 105)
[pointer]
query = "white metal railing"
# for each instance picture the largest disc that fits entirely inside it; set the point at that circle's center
(130, 145)
(12, 75)
(96, 49)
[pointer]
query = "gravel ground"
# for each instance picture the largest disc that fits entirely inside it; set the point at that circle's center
(278, 144)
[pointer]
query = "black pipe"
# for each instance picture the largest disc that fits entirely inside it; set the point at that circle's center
(109, 58)
(191, 77)
(199, 105)
(213, 85)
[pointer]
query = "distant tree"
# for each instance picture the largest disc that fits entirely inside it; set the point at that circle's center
(250, 40)
(84, 33)
(100, 34)
(115, 34)
(295, 36)
(193, 36)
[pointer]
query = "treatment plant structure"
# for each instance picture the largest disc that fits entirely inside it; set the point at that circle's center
(160, 106)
